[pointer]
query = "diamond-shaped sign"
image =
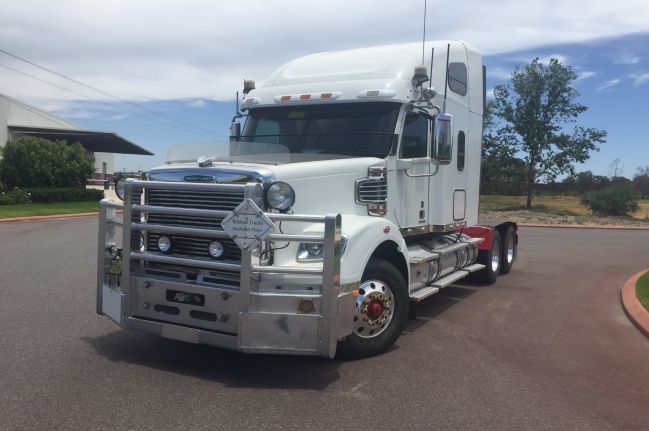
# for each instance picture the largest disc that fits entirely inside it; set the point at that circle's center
(247, 224)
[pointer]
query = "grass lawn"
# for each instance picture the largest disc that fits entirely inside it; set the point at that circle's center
(23, 210)
(642, 289)
(566, 205)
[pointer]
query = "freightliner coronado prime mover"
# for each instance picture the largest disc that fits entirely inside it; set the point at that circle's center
(349, 192)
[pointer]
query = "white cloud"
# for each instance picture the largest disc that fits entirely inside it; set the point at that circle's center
(639, 78)
(150, 50)
(626, 58)
(560, 57)
(499, 73)
(490, 93)
(198, 103)
(585, 74)
(608, 84)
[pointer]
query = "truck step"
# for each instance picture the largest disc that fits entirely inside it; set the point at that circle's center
(473, 268)
(419, 256)
(423, 293)
(450, 279)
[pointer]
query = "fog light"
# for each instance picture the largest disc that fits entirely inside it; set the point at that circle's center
(306, 306)
(164, 244)
(215, 249)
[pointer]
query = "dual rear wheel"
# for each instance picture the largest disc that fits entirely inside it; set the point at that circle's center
(500, 258)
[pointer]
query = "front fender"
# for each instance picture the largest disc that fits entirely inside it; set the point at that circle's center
(364, 235)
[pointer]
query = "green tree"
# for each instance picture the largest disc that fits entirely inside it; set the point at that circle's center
(641, 181)
(617, 200)
(536, 108)
(37, 162)
(501, 172)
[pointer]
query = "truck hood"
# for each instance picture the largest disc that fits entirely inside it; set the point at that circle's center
(323, 186)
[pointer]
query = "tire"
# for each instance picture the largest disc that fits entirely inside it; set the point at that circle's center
(491, 259)
(381, 311)
(509, 250)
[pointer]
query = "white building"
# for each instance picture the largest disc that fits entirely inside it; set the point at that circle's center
(20, 119)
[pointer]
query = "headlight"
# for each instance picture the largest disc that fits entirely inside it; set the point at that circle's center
(164, 244)
(280, 196)
(308, 251)
(215, 249)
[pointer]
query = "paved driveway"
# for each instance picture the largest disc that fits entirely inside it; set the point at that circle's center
(547, 347)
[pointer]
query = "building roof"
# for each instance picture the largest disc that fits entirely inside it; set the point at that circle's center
(97, 142)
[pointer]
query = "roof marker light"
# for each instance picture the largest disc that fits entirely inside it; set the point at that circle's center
(305, 96)
(326, 95)
(285, 98)
(376, 93)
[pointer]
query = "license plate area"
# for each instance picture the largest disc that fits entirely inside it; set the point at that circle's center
(195, 299)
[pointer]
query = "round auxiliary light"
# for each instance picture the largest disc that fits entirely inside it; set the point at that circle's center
(164, 244)
(215, 249)
(280, 196)
(314, 249)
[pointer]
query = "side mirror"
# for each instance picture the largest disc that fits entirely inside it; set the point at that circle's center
(119, 187)
(443, 139)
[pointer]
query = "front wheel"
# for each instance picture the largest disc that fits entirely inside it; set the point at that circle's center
(381, 311)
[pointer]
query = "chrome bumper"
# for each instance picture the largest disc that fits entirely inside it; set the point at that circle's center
(254, 318)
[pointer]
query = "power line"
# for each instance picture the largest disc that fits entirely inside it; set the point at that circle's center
(197, 129)
(100, 101)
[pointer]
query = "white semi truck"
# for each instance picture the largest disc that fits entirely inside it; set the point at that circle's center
(349, 192)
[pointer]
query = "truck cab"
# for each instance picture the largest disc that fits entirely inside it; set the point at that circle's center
(365, 164)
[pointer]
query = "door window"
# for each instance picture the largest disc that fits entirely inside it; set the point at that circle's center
(414, 140)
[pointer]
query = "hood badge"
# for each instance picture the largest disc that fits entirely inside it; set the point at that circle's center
(199, 178)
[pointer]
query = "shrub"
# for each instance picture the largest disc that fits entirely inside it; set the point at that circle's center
(37, 162)
(16, 196)
(618, 200)
(7, 199)
(71, 194)
(45, 195)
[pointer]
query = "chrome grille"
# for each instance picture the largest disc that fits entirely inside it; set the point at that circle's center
(372, 190)
(192, 246)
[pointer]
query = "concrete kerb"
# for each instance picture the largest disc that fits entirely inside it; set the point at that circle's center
(635, 311)
(581, 226)
(47, 217)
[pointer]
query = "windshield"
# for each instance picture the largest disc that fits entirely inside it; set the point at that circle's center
(319, 132)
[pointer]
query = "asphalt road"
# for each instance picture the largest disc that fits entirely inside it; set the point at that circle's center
(547, 347)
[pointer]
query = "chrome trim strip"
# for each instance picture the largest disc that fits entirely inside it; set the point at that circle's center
(157, 258)
(286, 270)
(189, 231)
(431, 228)
(179, 211)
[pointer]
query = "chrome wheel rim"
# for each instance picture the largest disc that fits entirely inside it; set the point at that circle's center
(510, 249)
(495, 257)
(374, 309)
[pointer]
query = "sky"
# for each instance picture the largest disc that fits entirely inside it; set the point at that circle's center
(174, 66)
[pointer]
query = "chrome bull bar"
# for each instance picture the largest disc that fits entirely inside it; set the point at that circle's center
(118, 301)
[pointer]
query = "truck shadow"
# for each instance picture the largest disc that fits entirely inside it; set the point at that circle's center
(430, 308)
(239, 370)
(232, 369)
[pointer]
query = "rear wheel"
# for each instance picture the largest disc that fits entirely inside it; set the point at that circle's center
(509, 251)
(491, 259)
(381, 311)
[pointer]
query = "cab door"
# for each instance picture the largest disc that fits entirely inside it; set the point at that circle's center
(413, 171)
